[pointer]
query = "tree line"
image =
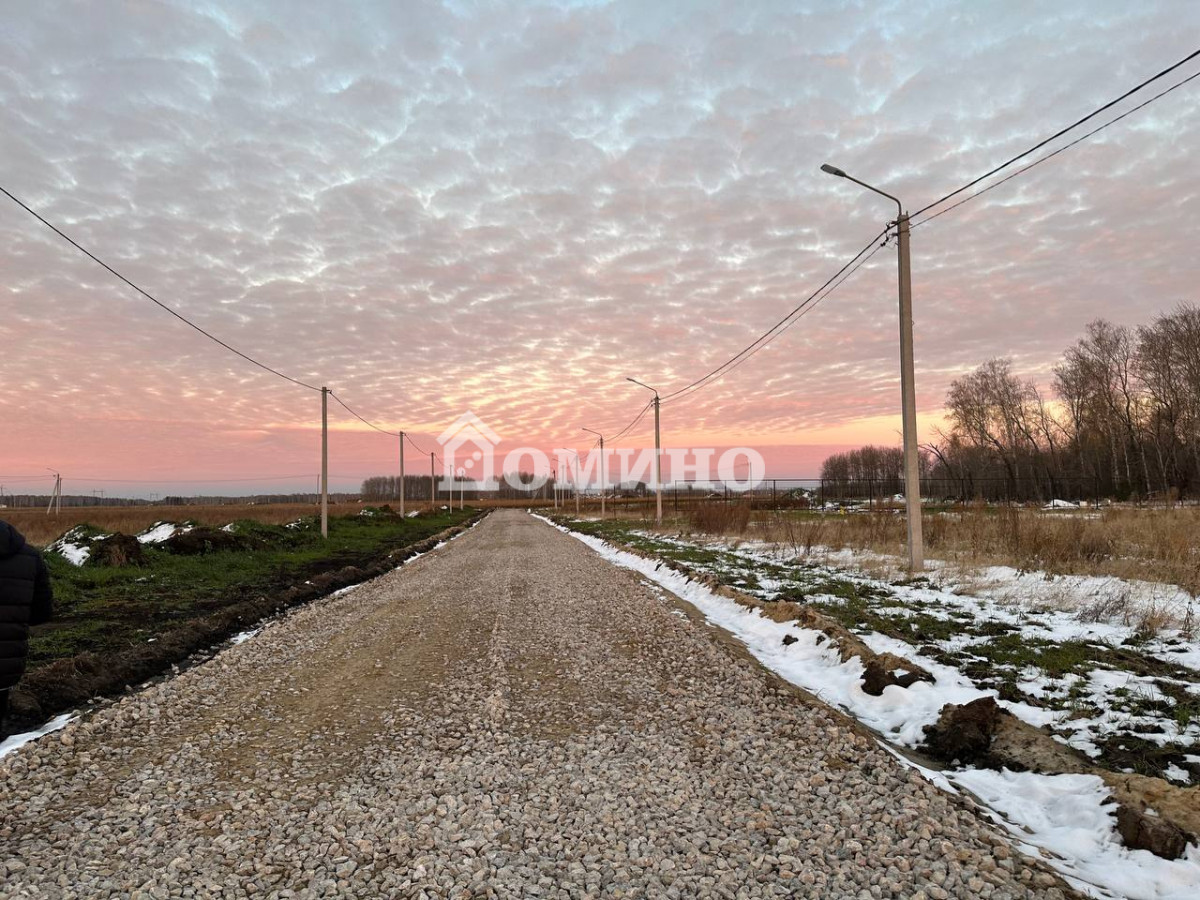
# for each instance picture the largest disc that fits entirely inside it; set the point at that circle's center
(416, 487)
(1121, 420)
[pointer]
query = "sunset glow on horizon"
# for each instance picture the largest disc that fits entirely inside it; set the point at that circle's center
(435, 208)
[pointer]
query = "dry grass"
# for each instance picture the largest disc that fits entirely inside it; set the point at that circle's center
(1149, 544)
(40, 529)
(721, 518)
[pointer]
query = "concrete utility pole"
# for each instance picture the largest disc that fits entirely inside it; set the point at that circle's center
(908, 395)
(575, 481)
(554, 475)
(657, 454)
(432, 484)
(324, 462)
(56, 495)
(402, 474)
(603, 480)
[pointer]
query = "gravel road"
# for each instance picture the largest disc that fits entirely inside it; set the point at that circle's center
(509, 716)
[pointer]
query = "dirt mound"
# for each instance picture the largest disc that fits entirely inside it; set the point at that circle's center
(1151, 813)
(117, 550)
(1140, 831)
(887, 669)
(1021, 747)
(963, 733)
(1173, 804)
(204, 540)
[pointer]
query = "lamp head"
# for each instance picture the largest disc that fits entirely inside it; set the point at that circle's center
(832, 170)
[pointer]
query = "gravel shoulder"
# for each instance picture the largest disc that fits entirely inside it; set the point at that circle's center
(508, 716)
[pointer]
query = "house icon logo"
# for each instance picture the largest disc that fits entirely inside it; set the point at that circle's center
(467, 451)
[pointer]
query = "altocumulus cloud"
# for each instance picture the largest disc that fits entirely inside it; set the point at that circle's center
(509, 207)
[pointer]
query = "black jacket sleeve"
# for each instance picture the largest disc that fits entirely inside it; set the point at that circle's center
(43, 595)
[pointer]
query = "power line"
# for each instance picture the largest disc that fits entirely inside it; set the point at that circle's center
(380, 429)
(1055, 153)
(88, 253)
(352, 412)
(757, 344)
(1058, 134)
(813, 305)
(628, 428)
(371, 424)
(419, 448)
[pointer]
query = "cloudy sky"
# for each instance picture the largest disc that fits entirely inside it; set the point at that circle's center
(509, 207)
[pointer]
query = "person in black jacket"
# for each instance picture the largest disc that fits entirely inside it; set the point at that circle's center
(25, 599)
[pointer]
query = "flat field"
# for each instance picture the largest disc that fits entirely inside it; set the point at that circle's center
(40, 529)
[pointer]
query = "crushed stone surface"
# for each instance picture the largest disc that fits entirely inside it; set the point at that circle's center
(509, 716)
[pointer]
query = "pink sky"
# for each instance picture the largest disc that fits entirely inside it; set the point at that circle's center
(509, 211)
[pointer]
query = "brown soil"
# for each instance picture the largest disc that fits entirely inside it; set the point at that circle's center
(117, 550)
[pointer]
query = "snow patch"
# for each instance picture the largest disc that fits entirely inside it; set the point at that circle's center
(20, 740)
(72, 546)
(162, 531)
(1071, 816)
(1174, 773)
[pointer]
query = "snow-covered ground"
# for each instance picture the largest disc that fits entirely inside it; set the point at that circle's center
(1127, 601)
(1063, 815)
(162, 531)
(75, 546)
(1060, 651)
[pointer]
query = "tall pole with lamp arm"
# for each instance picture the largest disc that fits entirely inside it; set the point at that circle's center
(908, 396)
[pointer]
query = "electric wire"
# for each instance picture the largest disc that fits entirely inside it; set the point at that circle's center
(853, 265)
(366, 422)
(801, 315)
(381, 430)
(92, 256)
(633, 424)
(754, 345)
(418, 447)
(1055, 153)
(1058, 134)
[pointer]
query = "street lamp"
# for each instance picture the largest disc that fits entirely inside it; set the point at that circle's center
(657, 453)
(908, 397)
(602, 479)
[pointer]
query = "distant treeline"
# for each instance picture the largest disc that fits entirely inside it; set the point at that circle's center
(416, 487)
(1122, 421)
(25, 501)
